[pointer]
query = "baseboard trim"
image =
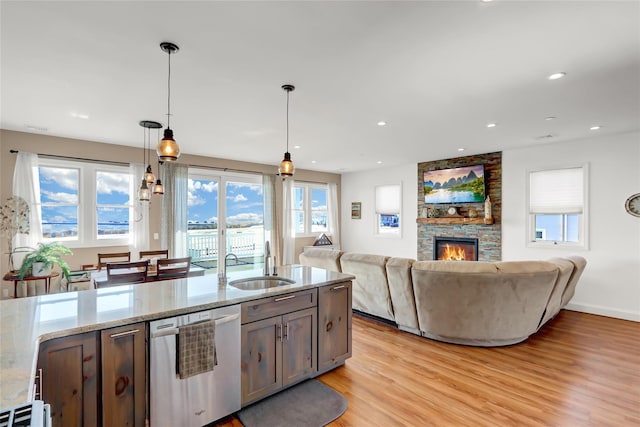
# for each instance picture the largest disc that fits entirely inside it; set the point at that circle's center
(604, 311)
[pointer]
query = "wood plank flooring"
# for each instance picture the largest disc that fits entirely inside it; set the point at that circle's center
(579, 370)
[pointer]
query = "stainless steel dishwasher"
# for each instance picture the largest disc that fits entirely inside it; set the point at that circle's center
(203, 398)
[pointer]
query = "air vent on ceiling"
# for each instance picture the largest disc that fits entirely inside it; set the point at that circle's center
(36, 128)
(545, 137)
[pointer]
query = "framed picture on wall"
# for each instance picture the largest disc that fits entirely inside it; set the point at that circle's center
(355, 210)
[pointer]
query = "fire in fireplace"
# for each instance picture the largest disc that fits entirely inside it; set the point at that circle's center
(455, 249)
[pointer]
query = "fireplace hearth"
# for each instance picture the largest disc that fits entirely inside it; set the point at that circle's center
(455, 249)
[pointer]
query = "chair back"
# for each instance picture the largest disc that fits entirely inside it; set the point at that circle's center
(173, 268)
(126, 272)
(103, 259)
(163, 253)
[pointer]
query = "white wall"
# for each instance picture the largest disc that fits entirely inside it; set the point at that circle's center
(610, 285)
(358, 235)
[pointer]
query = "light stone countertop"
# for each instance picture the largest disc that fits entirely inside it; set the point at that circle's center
(26, 322)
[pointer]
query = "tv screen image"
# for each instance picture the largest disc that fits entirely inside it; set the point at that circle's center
(457, 185)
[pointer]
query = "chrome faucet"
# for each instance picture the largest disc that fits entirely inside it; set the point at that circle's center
(223, 274)
(267, 258)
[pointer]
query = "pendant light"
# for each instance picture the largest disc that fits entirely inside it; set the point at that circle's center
(286, 165)
(143, 193)
(168, 150)
(158, 188)
(148, 125)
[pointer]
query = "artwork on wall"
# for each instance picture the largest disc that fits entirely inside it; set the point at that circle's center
(355, 210)
(457, 185)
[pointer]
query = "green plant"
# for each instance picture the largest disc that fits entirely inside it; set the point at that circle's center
(48, 254)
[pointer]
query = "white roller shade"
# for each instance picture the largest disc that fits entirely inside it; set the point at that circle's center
(388, 199)
(559, 191)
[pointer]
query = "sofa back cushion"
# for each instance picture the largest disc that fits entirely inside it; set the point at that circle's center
(401, 291)
(370, 287)
(565, 268)
(329, 259)
(579, 263)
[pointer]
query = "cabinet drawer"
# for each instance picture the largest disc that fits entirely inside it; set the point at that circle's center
(276, 305)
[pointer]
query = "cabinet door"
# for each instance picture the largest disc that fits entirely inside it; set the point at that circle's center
(334, 325)
(124, 373)
(69, 379)
(261, 363)
(298, 346)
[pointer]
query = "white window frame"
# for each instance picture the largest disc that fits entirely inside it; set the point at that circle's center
(394, 232)
(87, 203)
(583, 227)
(307, 207)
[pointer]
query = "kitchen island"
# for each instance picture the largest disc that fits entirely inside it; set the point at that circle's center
(28, 322)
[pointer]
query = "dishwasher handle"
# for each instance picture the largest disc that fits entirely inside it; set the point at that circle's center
(175, 331)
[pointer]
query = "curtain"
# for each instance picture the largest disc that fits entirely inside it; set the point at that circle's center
(174, 208)
(271, 225)
(332, 209)
(288, 225)
(26, 184)
(139, 215)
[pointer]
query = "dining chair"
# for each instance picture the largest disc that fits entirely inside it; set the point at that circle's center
(159, 254)
(126, 272)
(103, 259)
(173, 268)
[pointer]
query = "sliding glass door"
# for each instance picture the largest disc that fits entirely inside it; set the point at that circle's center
(226, 220)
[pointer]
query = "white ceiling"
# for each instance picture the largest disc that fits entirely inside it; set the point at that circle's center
(437, 72)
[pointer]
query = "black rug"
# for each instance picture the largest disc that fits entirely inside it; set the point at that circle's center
(308, 404)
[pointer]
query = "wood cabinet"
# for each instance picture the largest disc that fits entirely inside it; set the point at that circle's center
(334, 325)
(69, 380)
(279, 344)
(124, 375)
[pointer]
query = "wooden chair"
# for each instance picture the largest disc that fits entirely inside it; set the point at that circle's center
(126, 272)
(163, 253)
(173, 268)
(103, 259)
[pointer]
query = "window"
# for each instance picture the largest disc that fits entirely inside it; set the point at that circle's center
(310, 208)
(557, 207)
(85, 203)
(388, 204)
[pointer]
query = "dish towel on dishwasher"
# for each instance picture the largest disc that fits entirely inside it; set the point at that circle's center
(196, 349)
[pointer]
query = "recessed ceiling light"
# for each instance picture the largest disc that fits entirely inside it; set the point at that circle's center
(556, 76)
(550, 118)
(492, 125)
(80, 116)
(314, 162)
(379, 162)
(382, 123)
(460, 149)
(296, 146)
(596, 127)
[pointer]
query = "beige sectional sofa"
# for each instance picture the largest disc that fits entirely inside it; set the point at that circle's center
(473, 303)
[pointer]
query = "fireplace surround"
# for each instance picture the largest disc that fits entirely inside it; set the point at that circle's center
(455, 249)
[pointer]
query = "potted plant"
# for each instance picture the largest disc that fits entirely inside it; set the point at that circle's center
(39, 262)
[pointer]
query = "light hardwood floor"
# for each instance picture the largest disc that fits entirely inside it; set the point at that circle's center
(579, 370)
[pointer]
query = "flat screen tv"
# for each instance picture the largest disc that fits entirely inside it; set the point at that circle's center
(456, 185)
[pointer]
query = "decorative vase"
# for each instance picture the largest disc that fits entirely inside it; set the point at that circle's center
(487, 208)
(40, 269)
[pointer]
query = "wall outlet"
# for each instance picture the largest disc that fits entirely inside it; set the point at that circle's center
(156, 236)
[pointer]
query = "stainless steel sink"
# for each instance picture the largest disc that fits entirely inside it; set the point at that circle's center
(261, 282)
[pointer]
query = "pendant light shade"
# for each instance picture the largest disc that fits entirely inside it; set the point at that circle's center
(168, 150)
(158, 188)
(143, 193)
(286, 165)
(148, 175)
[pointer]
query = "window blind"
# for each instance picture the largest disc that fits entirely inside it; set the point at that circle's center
(559, 191)
(388, 199)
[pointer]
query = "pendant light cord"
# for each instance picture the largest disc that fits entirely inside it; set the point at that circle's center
(169, 94)
(288, 121)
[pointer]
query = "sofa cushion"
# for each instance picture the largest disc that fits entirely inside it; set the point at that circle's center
(579, 263)
(370, 287)
(329, 259)
(401, 291)
(566, 268)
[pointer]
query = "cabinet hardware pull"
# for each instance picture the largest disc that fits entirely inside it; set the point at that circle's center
(286, 331)
(279, 333)
(284, 298)
(122, 334)
(38, 385)
(338, 287)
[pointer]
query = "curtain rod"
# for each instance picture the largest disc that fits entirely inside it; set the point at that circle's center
(55, 156)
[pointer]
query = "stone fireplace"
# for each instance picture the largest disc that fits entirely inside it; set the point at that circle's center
(455, 249)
